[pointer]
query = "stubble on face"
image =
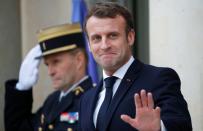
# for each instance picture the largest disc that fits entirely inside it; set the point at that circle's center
(110, 52)
(62, 70)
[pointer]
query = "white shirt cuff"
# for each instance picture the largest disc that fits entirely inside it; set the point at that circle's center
(163, 128)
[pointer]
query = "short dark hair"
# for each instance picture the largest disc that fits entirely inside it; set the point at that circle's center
(110, 10)
(77, 50)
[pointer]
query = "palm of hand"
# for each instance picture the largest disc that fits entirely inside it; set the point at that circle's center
(147, 118)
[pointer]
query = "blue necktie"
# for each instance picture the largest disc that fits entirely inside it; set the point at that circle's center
(109, 82)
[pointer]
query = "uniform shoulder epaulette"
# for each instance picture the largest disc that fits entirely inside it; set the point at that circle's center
(78, 90)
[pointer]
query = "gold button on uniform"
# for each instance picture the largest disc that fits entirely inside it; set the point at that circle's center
(40, 129)
(51, 127)
(69, 129)
(77, 92)
(42, 118)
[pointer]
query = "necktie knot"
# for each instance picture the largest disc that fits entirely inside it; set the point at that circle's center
(109, 81)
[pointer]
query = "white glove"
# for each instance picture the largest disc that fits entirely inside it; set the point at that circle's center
(29, 70)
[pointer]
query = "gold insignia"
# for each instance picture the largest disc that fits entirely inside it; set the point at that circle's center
(44, 46)
(69, 129)
(78, 90)
(40, 129)
(51, 127)
(42, 118)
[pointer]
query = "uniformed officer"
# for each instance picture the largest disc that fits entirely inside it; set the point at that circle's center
(63, 51)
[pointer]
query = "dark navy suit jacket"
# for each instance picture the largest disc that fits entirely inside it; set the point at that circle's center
(164, 84)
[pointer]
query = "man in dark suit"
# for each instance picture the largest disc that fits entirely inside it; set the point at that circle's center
(123, 100)
(63, 51)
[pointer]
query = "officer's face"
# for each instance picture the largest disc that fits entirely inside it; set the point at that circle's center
(62, 68)
(110, 44)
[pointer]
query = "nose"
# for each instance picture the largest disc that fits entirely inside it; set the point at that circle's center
(105, 44)
(51, 71)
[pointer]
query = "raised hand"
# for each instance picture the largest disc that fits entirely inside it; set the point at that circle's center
(147, 118)
(28, 74)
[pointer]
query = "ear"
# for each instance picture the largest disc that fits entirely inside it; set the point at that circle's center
(131, 37)
(80, 60)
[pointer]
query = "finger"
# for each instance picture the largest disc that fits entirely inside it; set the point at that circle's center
(137, 100)
(32, 52)
(32, 65)
(128, 120)
(35, 72)
(143, 98)
(150, 100)
(158, 111)
(37, 62)
(37, 51)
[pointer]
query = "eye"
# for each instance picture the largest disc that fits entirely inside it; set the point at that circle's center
(56, 61)
(46, 63)
(96, 38)
(113, 35)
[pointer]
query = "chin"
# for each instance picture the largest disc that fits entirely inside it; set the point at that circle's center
(56, 87)
(109, 64)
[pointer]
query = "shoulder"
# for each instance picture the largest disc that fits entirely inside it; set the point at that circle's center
(83, 87)
(90, 91)
(51, 97)
(88, 94)
(163, 71)
(150, 71)
(154, 76)
(87, 83)
(157, 71)
(161, 79)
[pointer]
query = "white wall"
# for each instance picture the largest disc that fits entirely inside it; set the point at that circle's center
(35, 15)
(176, 40)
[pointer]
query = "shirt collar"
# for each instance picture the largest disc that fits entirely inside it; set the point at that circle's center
(73, 86)
(122, 70)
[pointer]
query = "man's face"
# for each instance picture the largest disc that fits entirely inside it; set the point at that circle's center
(61, 69)
(109, 43)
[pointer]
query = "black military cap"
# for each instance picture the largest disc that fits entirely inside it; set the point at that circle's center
(60, 38)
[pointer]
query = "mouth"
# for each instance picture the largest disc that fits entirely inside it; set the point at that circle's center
(54, 80)
(108, 54)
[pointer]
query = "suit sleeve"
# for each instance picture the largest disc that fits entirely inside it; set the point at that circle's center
(174, 109)
(18, 106)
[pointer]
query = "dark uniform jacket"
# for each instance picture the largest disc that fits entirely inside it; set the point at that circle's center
(52, 116)
(164, 84)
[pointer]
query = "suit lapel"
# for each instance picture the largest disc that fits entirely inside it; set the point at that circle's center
(129, 78)
(94, 101)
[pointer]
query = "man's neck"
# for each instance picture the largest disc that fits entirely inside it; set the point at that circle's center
(110, 72)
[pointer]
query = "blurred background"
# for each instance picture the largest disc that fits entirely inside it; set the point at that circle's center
(168, 33)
